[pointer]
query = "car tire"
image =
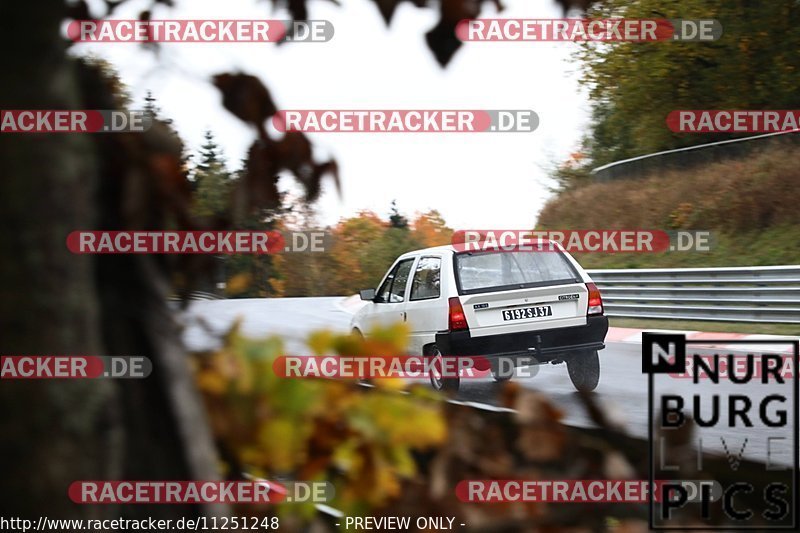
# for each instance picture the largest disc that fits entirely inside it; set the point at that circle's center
(447, 385)
(500, 379)
(495, 375)
(584, 371)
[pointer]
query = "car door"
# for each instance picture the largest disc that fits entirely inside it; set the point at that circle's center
(390, 298)
(425, 311)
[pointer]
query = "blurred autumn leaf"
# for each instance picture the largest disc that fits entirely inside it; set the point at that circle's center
(362, 440)
(247, 98)
(403, 454)
(250, 101)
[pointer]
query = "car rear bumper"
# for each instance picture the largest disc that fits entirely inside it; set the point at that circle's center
(543, 345)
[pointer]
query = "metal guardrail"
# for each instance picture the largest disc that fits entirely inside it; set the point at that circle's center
(690, 156)
(198, 295)
(202, 295)
(732, 294)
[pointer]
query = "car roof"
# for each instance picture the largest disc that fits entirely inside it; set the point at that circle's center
(433, 250)
(449, 248)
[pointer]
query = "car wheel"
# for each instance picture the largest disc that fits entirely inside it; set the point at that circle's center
(497, 377)
(439, 383)
(584, 371)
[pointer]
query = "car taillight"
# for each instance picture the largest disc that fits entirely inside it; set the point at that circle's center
(457, 318)
(595, 300)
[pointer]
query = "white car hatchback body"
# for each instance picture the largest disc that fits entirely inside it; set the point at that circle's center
(530, 306)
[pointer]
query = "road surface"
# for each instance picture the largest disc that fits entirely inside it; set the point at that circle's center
(622, 391)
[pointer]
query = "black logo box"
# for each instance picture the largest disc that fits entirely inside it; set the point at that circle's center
(679, 366)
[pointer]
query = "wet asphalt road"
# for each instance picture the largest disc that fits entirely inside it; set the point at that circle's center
(622, 391)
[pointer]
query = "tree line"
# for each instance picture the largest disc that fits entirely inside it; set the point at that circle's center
(633, 86)
(358, 249)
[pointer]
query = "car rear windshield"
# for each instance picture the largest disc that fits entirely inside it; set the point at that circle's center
(493, 271)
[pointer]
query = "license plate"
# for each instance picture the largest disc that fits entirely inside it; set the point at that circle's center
(528, 312)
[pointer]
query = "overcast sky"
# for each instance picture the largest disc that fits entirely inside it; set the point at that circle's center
(487, 180)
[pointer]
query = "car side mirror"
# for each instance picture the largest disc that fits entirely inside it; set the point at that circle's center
(367, 295)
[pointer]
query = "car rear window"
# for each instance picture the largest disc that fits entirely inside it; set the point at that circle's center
(491, 271)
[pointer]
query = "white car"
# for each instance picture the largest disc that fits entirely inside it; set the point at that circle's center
(532, 307)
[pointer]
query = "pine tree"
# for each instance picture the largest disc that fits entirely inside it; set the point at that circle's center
(150, 106)
(212, 180)
(210, 154)
(396, 220)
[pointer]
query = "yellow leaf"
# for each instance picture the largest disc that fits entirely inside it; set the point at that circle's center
(239, 283)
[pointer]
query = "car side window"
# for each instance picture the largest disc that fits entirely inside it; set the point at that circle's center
(398, 290)
(426, 283)
(383, 290)
(393, 288)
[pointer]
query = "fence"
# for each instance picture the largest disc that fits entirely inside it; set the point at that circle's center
(685, 158)
(735, 294)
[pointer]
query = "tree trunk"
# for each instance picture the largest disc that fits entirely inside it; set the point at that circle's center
(56, 432)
